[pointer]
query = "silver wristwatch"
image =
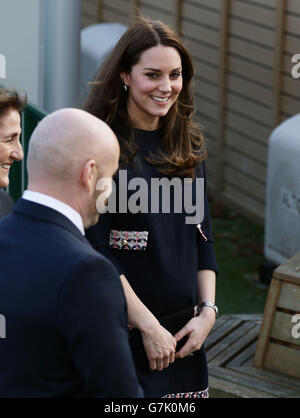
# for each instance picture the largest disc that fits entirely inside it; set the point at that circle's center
(209, 305)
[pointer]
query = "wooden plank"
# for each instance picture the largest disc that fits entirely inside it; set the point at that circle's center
(206, 89)
(249, 89)
(236, 178)
(254, 53)
(286, 381)
(246, 166)
(252, 12)
(251, 71)
(283, 359)
(293, 6)
(166, 6)
(208, 125)
(290, 85)
(246, 381)
(89, 13)
(289, 297)
(257, 318)
(248, 107)
(250, 148)
(220, 322)
(277, 385)
(282, 327)
(211, 4)
(215, 354)
(122, 6)
(278, 64)
(198, 32)
(196, 13)
(291, 44)
(260, 35)
(289, 271)
(205, 71)
(290, 105)
(156, 14)
(242, 124)
(205, 107)
(113, 16)
(178, 15)
(247, 205)
(269, 313)
(236, 342)
(222, 82)
(201, 51)
(264, 3)
(221, 332)
(293, 24)
(243, 357)
(223, 388)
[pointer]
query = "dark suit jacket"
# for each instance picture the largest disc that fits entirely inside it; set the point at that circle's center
(6, 204)
(65, 312)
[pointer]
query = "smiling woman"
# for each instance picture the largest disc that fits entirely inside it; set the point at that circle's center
(11, 104)
(167, 265)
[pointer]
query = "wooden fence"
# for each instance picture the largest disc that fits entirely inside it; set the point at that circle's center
(244, 88)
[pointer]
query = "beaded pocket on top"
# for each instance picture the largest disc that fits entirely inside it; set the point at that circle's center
(128, 240)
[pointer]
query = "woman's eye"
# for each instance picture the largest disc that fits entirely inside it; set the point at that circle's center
(152, 75)
(175, 75)
(10, 139)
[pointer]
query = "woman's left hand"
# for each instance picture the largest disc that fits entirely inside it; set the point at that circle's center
(197, 329)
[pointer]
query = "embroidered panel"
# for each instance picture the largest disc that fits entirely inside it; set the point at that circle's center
(128, 240)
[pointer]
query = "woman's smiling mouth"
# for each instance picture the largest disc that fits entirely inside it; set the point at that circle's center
(160, 100)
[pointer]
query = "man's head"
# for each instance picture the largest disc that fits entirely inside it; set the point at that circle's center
(69, 151)
(11, 105)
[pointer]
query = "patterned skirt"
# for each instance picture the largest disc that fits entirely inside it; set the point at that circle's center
(200, 394)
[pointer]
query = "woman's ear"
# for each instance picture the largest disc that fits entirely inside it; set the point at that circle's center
(125, 78)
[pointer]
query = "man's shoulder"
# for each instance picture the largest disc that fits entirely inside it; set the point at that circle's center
(6, 204)
(90, 260)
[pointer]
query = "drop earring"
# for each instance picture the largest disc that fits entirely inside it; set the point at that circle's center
(125, 88)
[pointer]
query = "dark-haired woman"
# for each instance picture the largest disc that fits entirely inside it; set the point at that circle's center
(143, 91)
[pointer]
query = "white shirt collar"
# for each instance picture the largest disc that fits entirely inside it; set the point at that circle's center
(57, 205)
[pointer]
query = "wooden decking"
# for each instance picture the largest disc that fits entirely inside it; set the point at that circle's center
(230, 351)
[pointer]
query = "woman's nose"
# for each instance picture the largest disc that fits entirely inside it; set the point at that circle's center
(17, 152)
(165, 85)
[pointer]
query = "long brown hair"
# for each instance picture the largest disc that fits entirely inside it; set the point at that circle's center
(183, 145)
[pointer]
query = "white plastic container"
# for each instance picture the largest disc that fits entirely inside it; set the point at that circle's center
(282, 222)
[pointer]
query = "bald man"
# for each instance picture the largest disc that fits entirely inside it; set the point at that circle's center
(62, 303)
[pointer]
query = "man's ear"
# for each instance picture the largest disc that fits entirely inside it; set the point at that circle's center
(88, 175)
(125, 78)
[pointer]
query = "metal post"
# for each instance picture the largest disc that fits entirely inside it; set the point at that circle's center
(62, 53)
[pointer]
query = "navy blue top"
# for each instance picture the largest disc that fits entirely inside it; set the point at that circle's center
(162, 266)
(164, 274)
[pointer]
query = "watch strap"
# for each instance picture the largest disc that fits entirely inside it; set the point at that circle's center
(208, 305)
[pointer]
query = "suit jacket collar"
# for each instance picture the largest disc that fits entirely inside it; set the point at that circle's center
(44, 213)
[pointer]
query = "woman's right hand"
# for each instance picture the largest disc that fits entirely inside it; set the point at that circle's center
(160, 346)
